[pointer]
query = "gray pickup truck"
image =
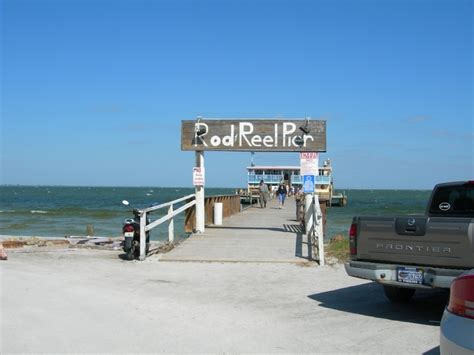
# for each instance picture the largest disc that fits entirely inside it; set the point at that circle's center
(406, 253)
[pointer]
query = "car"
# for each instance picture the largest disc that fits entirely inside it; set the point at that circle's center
(457, 324)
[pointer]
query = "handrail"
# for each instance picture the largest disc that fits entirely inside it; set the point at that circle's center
(295, 179)
(317, 229)
(168, 216)
(144, 228)
(154, 208)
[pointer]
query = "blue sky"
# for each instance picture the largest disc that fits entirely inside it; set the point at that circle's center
(93, 92)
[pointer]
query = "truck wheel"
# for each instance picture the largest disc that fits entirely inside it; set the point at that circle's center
(398, 294)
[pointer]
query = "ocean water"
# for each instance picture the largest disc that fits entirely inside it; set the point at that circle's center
(374, 203)
(53, 211)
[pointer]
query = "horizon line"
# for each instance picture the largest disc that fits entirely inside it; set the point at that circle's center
(191, 187)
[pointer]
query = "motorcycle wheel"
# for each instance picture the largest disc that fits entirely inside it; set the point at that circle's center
(130, 255)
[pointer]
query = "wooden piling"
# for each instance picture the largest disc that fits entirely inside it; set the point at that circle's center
(90, 230)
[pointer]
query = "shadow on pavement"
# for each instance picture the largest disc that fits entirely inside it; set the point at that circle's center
(434, 351)
(123, 256)
(287, 228)
(426, 306)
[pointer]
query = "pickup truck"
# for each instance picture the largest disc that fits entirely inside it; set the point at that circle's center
(405, 253)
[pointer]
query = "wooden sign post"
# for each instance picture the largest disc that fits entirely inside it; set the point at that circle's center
(252, 135)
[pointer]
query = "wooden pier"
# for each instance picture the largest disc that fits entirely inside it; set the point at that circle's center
(265, 235)
(339, 200)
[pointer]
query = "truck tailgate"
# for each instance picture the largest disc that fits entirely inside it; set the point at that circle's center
(417, 240)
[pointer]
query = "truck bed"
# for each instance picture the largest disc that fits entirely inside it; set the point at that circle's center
(446, 242)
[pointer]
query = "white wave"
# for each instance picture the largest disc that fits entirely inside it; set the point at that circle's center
(38, 211)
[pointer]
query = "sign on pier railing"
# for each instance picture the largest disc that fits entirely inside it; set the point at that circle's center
(299, 135)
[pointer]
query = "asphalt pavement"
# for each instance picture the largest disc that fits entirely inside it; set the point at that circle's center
(89, 301)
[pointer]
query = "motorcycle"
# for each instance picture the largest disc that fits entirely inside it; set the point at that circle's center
(131, 233)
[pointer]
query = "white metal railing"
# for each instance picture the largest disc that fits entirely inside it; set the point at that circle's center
(267, 178)
(295, 179)
(168, 217)
(319, 179)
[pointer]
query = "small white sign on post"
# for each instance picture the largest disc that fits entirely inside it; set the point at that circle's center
(198, 176)
(309, 162)
(308, 184)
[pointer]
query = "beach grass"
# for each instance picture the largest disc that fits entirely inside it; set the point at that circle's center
(338, 248)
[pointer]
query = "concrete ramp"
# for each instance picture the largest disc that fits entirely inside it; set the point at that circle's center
(264, 235)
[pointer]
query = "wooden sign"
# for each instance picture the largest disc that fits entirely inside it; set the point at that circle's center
(254, 135)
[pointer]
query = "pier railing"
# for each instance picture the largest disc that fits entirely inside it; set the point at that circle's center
(172, 212)
(276, 179)
(230, 206)
(314, 227)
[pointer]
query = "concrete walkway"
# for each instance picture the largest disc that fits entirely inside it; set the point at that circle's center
(254, 235)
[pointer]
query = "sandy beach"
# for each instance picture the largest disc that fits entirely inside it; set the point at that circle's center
(91, 301)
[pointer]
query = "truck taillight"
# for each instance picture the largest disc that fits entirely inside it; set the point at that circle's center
(461, 299)
(353, 239)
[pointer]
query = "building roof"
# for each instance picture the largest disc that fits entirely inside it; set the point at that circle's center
(273, 167)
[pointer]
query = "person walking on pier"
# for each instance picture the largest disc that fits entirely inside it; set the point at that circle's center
(263, 192)
(282, 194)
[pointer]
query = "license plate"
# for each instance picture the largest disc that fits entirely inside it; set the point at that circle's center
(128, 234)
(410, 275)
